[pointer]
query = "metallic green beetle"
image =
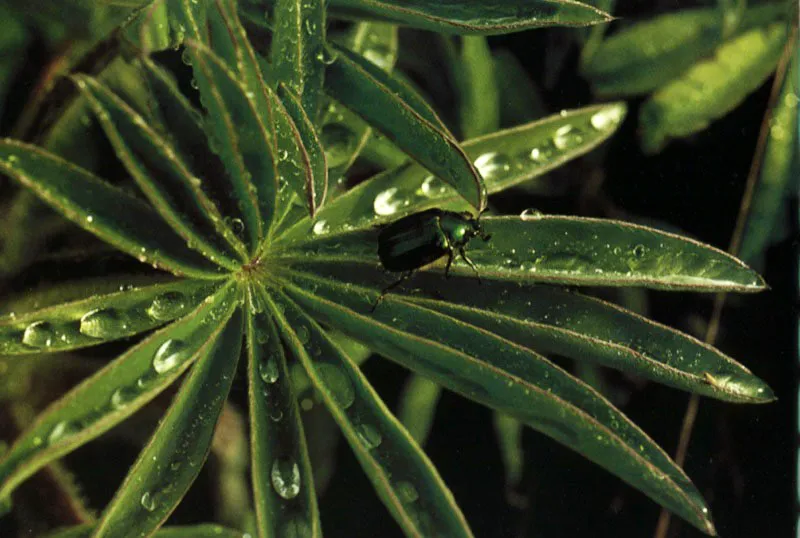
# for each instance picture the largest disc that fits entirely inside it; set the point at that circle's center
(416, 240)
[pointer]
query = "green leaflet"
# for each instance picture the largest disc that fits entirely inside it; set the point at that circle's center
(297, 53)
(479, 105)
(482, 17)
(504, 159)
(535, 248)
(189, 531)
(647, 55)
(403, 477)
(114, 392)
(399, 113)
(283, 485)
(103, 210)
(776, 170)
(511, 379)
(418, 406)
(172, 459)
(123, 309)
(711, 88)
(161, 175)
(519, 98)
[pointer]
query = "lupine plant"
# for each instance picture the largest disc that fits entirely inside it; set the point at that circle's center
(256, 234)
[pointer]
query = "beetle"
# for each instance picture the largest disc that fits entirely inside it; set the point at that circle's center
(418, 239)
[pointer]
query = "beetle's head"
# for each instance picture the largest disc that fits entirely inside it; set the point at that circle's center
(477, 227)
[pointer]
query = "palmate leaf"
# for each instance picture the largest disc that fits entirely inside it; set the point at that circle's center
(188, 531)
(294, 280)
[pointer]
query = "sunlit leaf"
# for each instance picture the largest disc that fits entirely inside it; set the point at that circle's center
(418, 406)
(504, 159)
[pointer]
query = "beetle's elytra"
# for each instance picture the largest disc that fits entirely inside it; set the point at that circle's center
(421, 238)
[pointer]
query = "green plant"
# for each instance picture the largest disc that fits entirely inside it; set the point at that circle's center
(242, 212)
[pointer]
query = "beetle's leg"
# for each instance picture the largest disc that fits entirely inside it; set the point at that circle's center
(469, 262)
(405, 276)
(450, 257)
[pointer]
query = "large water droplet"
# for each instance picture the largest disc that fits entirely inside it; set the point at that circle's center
(432, 187)
(285, 477)
(268, 370)
(492, 164)
(531, 214)
(167, 306)
(121, 397)
(386, 202)
(607, 119)
(168, 356)
(38, 334)
(60, 431)
(148, 501)
(542, 154)
(102, 323)
(369, 435)
(567, 137)
(321, 227)
(338, 383)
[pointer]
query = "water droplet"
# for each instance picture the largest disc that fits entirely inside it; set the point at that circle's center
(102, 323)
(369, 435)
(541, 155)
(121, 397)
(321, 227)
(276, 415)
(285, 477)
(60, 431)
(167, 306)
(639, 251)
(492, 165)
(168, 356)
(531, 214)
(567, 137)
(303, 334)
(148, 501)
(432, 187)
(38, 334)
(385, 203)
(338, 383)
(407, 492)
(607, 119)
(268, 370)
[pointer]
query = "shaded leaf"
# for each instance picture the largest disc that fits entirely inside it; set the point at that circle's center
(297, 53)
(172, 459)
(189, 531)
(483, 17)
(113, 393)
(411, 124)
(103, 210)
(417, 406)
(404, 478)
(511, 379)
(712, 88)
(283, 485)
(479, 105)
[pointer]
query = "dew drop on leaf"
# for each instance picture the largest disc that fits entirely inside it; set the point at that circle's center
(285, 476)
(102, 323)
(606, 119)
(531, 214)
(167, 306)
(492, 164)
(303, 334)
(338, 383)
(268, 371)
(148, 501)
(321, 227)
(121, 397)
(567, 137)
(38, 334)
(386, 203)
(60, 431)
(168, 356)
(432, 186)
(369, 435)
